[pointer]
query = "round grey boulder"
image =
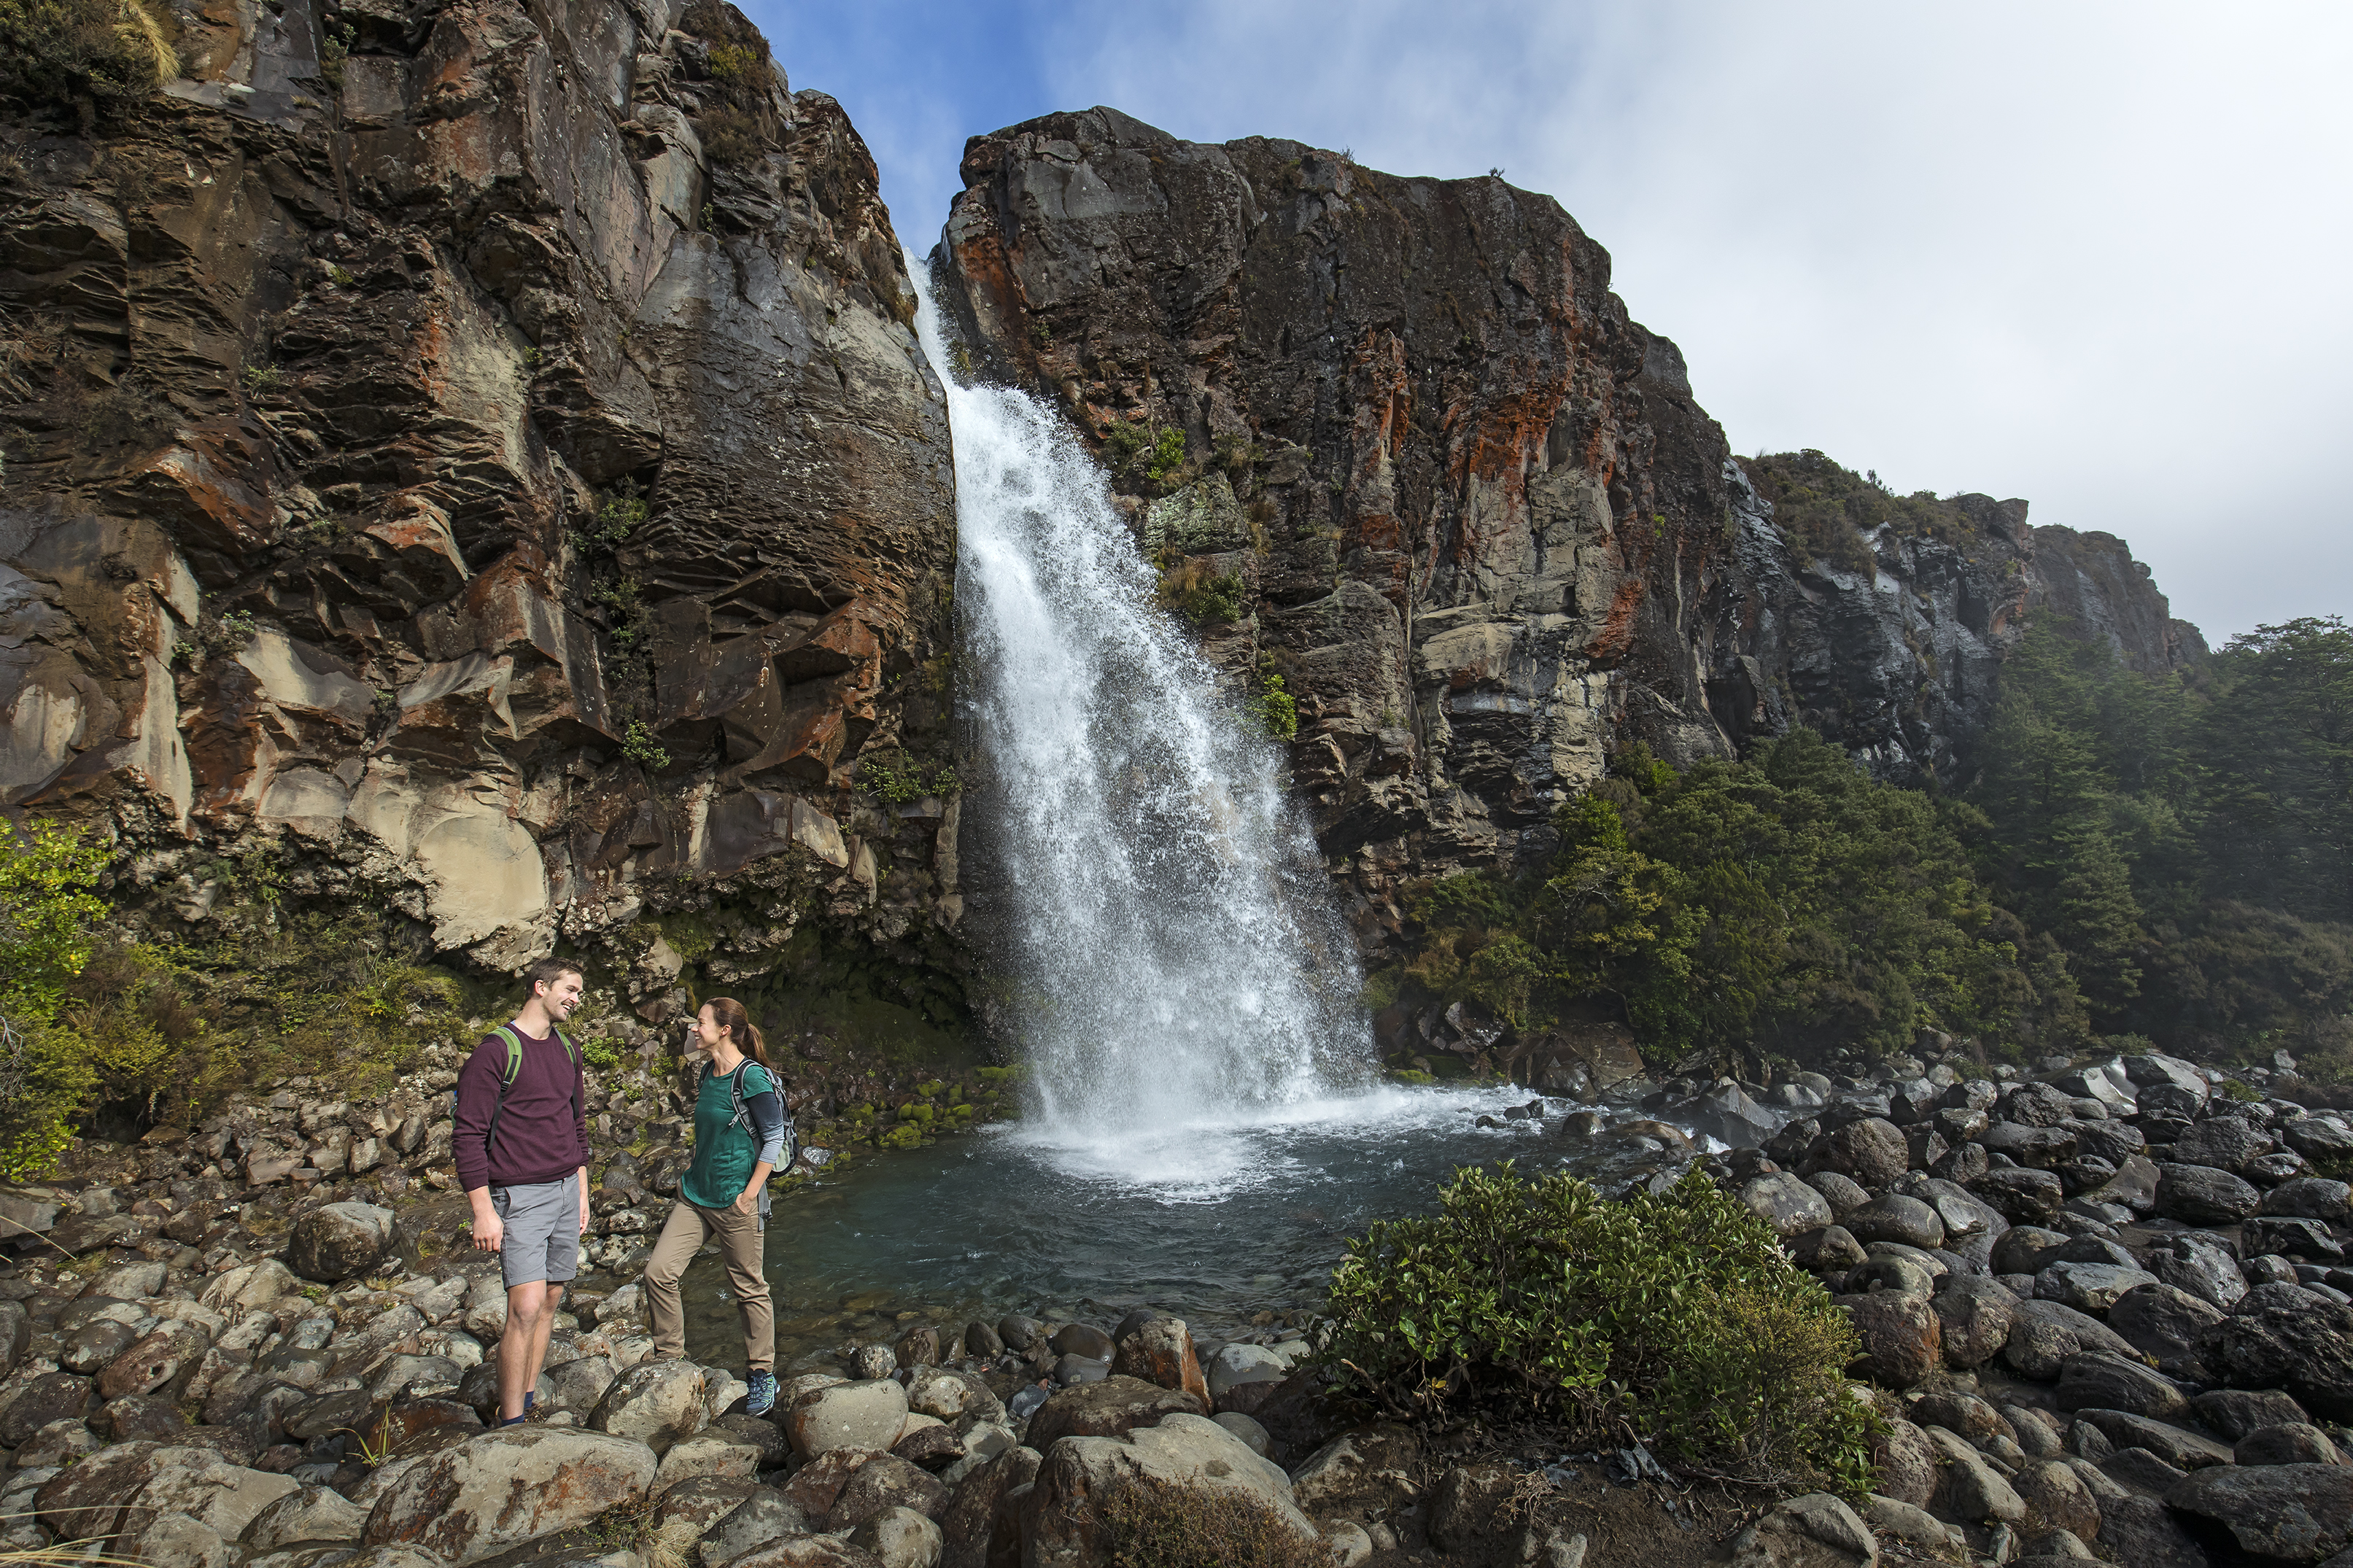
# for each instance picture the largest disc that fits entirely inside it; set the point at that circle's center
(340, 1241)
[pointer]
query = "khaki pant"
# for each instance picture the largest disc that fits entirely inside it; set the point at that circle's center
(682, 1235)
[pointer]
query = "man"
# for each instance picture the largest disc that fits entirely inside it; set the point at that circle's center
(522, 1150)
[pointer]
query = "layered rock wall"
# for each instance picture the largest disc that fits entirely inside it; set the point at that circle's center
(1480, 526)
(483, 447)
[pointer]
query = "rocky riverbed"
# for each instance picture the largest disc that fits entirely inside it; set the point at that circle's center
(2103, 1309)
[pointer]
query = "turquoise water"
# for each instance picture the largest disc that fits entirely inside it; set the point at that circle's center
(1216, 1222)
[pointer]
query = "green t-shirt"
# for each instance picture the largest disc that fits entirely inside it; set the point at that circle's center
(723, 1155)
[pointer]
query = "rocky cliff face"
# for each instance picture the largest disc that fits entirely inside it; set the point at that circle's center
(2107, 597)
(1466, 507)
(481, 447)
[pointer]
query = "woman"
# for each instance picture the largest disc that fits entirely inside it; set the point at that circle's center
(739, 1134)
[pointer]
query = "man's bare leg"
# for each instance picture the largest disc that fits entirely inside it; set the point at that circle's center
(523, 1348)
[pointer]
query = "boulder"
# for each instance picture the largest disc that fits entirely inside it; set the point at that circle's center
(1160, 1350)
(2025, 1248)
(1786, 1202)
(1837, 1190)
(2102, 1381)
(2024, 1196)
(899, 1537)
(2056, 1499)
(1117, 1404)
(1974, 1316)
(2168, 1325)
(2088, 1287)
(500, 1489)
(2203, 1194)
(972, 1517)
(2287, 1443)
(762, 1516)
(313, 1513)
(1062, 1517)
(2310, 1197)
(1366, 1466)
(883, 1482)
(1969, 1490)
(2203, 1264)
(341, 1241)
(2047, 1332)
(50, 1396)
(1907, 1222)
(1236, 1365)
(1901, 1334)
(2235, 1412)
(1906, 1462)
(868, 1414)
(800, 1551)
(1816, 1531)
(656, 1404)
(2273, 1513)
(707, 1454)
(1828, 1250)
(1084, 1340)
(1872, 1151)
(2182, 1449)
(198, 1485)
(2293, 1340)
(2223, 1143)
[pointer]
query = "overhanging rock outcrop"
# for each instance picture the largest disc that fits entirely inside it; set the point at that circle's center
(484, 447)
(1478, 523)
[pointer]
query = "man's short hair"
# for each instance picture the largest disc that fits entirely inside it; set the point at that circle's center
(548, 971)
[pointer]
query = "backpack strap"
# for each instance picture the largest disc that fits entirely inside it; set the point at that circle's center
(506, 1082)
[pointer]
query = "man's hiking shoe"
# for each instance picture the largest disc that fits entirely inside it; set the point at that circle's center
(764, 1394)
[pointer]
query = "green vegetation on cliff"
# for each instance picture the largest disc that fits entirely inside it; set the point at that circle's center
(102, 52)
(2134, 857)
(1672, 1318)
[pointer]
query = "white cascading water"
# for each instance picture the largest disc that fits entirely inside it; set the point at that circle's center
(1178, 971)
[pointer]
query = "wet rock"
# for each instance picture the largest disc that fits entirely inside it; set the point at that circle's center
(2203, 1194)
(2318, 1138)
(1062, 1516)
(1084, 1340)
(1891, 1272)
(884, 1482)
(341, 1241)
(2025, 1248)
(2036, 1105)
(1901, 1334)
(499, 1488)
(1106, 1409)
(982, 1342)
(1019, 1333)
(2310, 1197)
(2274, 1513)
(846, 1416)
(918, 1347)
(871, 1363)
(2037, 1148)
(1816, 1531)
(2104, 1381)
(2306, 1239)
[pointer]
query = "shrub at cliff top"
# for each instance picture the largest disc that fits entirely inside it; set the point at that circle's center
(58, 51)
(1672, 1319)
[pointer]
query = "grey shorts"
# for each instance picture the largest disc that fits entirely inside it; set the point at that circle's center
(542, 1231)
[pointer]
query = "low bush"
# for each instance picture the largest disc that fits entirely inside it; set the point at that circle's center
(1673, 1319)
(1151, 1523)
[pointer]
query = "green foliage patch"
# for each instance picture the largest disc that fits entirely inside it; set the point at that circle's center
(1826, 510)
(1146, 457)
(107, 52)
(1673, 1319)
(897, 777)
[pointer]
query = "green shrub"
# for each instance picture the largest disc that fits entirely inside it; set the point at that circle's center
(1674, 1319)
(1272, 712)
(1152, 1524)
(46, 915)
(1144, 455)
(1203, 600)
(640, 747)
(59, 51)
(897, 777)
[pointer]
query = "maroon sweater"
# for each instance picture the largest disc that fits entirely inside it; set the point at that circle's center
(542, 1131)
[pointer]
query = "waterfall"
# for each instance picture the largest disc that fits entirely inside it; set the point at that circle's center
(1170, 950)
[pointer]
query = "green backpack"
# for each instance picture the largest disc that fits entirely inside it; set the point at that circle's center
(514, 1066)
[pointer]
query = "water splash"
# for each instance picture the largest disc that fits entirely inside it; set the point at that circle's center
(1178, 971)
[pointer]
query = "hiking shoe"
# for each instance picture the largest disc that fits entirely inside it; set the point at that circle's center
(764, 1394)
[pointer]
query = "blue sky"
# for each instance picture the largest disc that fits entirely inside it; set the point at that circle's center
(2093, 255)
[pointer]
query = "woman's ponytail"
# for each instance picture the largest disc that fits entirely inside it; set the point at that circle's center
(729, 1015)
